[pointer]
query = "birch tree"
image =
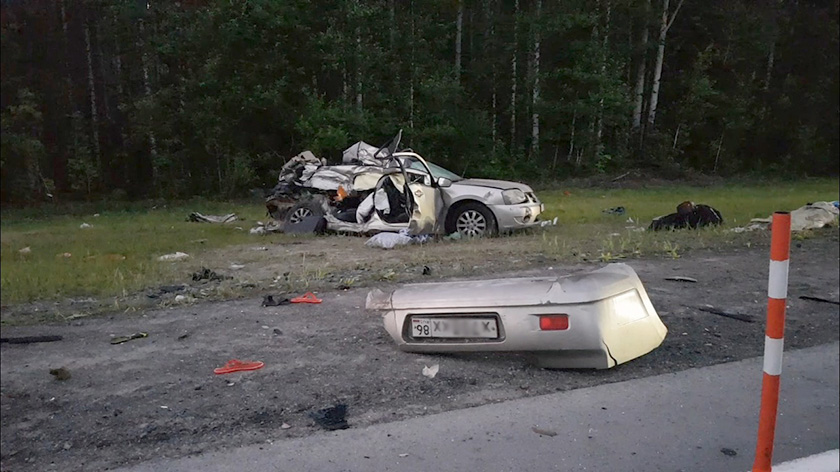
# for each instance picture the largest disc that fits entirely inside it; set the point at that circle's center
(639, 90)
(535, 115)
(665, 25)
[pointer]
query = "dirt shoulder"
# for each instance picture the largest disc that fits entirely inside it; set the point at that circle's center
(158, 396)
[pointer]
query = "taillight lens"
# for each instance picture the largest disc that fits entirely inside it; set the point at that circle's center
(554, 322)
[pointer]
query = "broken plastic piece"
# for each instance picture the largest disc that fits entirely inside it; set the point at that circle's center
(679, 278)
(308, 297)
(269, 300)
(124, 339)
(235, 365)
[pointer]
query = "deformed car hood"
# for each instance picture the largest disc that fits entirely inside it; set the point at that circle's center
(578, 288)
(497, 184)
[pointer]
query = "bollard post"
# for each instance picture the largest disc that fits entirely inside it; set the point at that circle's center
(773, 340)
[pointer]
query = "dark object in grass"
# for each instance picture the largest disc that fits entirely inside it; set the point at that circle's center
(269, 300)
(818, 299)
(207, 274)
(427, 270)
(125, 339)
(31, 339)
(619, 210)
(331, 418)
(688, 215)
(62, 373)
(734, 316)
(680, 278)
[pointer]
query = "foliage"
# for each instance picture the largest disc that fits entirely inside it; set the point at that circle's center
(209, 97)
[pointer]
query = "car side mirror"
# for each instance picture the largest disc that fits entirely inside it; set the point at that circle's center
(443, 182)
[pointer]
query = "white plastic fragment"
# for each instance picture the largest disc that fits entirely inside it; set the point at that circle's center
(177, 256)
(85, 226)
(430, 372)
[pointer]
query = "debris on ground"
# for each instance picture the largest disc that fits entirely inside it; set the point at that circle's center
(174, 257)
(544, 432)
(269, 300)
(199, 218)
(432, 371)
(125, 339)
(680, 278)
(65, 255)
(308, 297)
(62, 373)
(389, 240)
(813, 215)
(619, 210)
(728, 452)
(331, 418)
(818, 299)
(183, 298)
(31, 339)
(734, 316)
(85, 226)
(265, 228)
(236, 266)
(235, 365)
(688, 215)
(427, 270)
(453, 237)
(207, 274)
(25, 251)
(285, 426)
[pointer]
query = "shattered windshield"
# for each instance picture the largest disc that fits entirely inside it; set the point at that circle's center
(437, 171)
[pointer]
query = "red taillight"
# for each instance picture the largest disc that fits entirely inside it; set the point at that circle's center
(554, 322)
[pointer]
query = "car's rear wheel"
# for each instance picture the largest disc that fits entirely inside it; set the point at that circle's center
(472, 219)
(303, 210)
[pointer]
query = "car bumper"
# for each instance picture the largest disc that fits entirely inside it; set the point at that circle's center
(610, 318)
(514, 217)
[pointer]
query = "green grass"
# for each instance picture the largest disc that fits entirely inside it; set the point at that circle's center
(141, 233)
(96, 266)
(737, 201)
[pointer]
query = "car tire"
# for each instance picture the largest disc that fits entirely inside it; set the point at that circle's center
(471, 219)
(302, 210)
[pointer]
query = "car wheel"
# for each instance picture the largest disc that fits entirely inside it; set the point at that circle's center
(302, 210)
(472, 219)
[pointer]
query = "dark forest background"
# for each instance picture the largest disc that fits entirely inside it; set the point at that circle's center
(126, 99)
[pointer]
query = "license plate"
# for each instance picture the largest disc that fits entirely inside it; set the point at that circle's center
(454, 328)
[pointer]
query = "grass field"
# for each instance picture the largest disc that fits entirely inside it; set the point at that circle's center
(118, 254)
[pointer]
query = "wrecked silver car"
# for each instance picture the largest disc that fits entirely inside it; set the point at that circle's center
(593, 320)
(382, 189)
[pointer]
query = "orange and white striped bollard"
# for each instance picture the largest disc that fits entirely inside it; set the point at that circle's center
(774, 340)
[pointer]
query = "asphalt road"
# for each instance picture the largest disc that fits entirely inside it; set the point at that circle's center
(702, 419)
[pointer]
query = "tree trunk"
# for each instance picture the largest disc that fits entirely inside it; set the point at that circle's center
(599, 146)
(411, 71)
(572, 137)
(667, 21)
(358, 69)
(639, 92)
(147, 89)
(94, 112)
(770, 61)
(535, 115)
(459, 30)
(489, 49)
(513, 78)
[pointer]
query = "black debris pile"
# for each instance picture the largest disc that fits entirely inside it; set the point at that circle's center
(688, 215)
(209, 275)
(331, 418)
